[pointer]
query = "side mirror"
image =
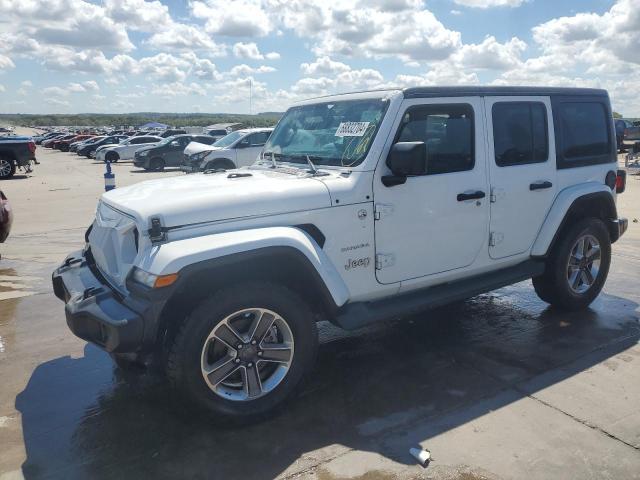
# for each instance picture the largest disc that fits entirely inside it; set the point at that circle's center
(405, 159)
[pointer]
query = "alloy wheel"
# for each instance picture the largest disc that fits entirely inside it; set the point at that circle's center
(5, 168)
(584, 264)
(247, 354)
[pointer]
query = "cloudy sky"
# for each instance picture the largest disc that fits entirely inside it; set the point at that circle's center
(59, 56)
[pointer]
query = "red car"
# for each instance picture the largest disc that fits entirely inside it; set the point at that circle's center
(6, 217)
(64, 144)
(50, 143)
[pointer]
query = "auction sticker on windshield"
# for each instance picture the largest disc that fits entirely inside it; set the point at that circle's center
(351, 129)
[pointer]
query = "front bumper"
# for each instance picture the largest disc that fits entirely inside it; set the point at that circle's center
(95, 312)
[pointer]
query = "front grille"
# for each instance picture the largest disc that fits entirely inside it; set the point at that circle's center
(113, 243)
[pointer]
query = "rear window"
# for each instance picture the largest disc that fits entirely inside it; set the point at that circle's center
(585, 134)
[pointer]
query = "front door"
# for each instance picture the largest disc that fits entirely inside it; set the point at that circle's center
(522, 171)
(252, 148)
(436, 222)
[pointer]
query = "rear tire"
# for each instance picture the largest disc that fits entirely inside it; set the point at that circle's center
(289, 329)
(7, 168)
(577, 267)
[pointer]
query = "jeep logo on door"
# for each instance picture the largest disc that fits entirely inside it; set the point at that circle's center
(357, 263)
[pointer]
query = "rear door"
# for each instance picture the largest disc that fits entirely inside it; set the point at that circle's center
(522, 171)
(173, 156)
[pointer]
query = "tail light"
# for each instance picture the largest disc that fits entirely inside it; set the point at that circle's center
(621, 181)
(32, 147)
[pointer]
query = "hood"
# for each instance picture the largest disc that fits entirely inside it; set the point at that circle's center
(145, 148)
(202, 198)
(196, 147)
(107, 145)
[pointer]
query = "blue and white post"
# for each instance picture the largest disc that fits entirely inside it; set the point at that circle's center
(109, 178)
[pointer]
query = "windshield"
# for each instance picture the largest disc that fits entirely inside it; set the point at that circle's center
(167, 140)
(228, 139)
(332, 133)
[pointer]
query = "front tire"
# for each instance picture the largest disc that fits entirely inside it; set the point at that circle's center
(156, 165)
(577, 267)
(112, 157)
(243, 351)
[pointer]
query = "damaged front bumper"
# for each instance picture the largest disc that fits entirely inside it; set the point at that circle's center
(100, 314)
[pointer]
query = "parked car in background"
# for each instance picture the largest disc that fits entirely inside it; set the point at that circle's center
(6, 217)
(238, 149)
(48, 143)
(89, 147)
(632, 130)
(38, 139)
(167, 153)
(126, 149)
(219, 130)
(65, 145)
(73, 147)
(170, 132)
(16, 152)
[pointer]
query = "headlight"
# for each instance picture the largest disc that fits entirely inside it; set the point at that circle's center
(143, 153)
(198, 157)
(152, 281)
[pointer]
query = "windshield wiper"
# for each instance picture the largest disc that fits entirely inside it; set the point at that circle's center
(313, 168)
(274, 164)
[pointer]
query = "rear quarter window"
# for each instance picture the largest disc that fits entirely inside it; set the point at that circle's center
(583, 133)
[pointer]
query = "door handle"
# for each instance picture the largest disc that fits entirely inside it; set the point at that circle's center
(540, 185)
(471, 195)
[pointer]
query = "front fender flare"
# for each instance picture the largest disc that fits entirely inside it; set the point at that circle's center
(561, 207)
(172, 257)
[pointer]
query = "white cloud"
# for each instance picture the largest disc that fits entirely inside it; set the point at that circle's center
(6, 63)
(176, 89)
(26, 83)
(491, 54)
(244, 70)
(251, 51)
(324, 66)
(56, 102)
(139, 14)
(55, 91)
(490, 3)
(239, 18)
(178, 36)
(2, 89)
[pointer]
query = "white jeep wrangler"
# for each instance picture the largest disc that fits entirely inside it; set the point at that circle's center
(364, 206)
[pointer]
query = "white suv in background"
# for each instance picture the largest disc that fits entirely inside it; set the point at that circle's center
(126, 149)
(365, 207)
(237, 149)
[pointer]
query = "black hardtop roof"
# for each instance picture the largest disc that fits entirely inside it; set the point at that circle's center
(485, 91)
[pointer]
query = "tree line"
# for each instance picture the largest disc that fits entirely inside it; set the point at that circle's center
(172, 119)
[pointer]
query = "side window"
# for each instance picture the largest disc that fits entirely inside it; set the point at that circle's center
(258, 139)
(585, 133)
(520, 133)
(448, 133)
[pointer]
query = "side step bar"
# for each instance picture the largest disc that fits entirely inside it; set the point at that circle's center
(360, 314)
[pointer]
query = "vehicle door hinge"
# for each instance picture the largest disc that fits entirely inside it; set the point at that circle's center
(381, 210)
(384, 260)
(495, 238)
(157, 233)
(497, 194)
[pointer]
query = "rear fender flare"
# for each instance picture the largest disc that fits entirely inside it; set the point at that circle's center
(567, 203)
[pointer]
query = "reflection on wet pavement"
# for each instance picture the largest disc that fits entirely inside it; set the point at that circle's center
(82, 418)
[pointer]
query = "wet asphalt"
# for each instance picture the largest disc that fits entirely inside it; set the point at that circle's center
(498, 386)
